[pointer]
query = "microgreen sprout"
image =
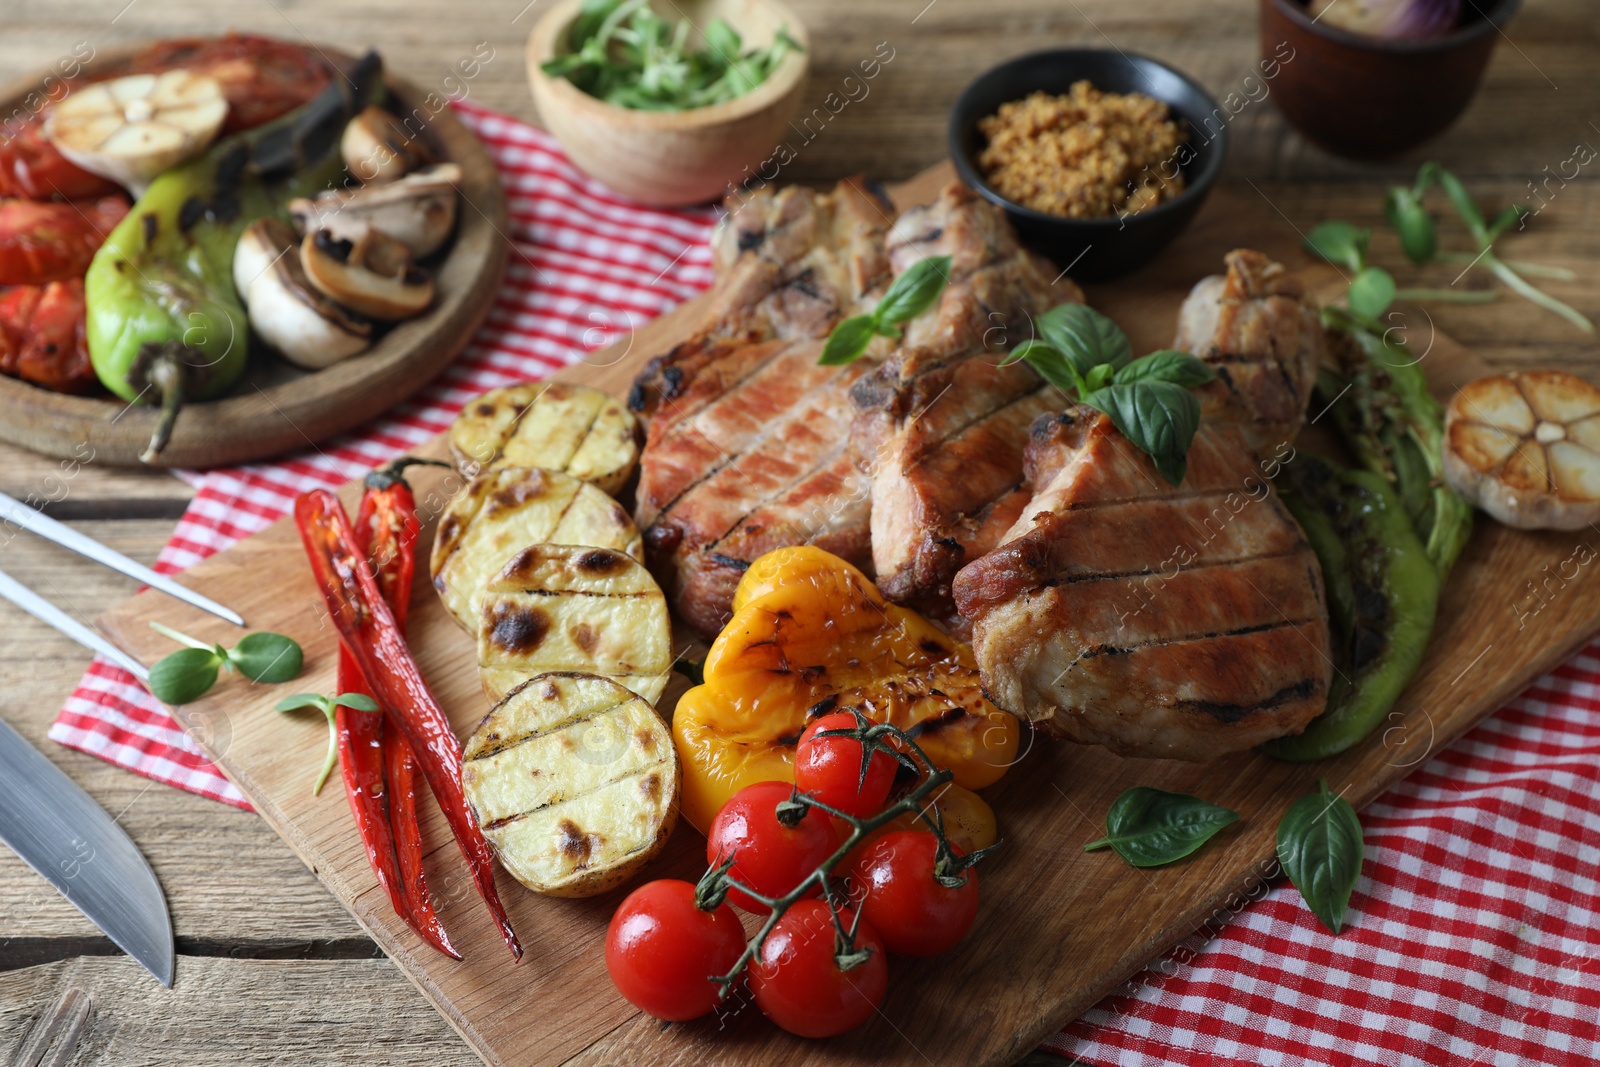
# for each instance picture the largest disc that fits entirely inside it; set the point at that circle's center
(329, 706)
(189, 673)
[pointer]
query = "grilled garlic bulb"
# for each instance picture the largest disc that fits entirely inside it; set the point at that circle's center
(131, 129)
(1525, 447)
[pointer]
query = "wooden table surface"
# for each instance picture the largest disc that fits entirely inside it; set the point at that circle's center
(270, 960)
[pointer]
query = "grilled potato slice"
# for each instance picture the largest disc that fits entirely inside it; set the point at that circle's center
(570, 608)
(1525, 447)
(501, 512)
(570, 428)
(574, 781)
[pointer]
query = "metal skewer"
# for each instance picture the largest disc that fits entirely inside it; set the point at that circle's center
(19, 514)
(46, 612)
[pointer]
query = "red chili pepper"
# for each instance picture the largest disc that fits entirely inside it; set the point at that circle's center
(379, 767)
(368, 629)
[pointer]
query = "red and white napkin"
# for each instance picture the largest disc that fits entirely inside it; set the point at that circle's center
(1473, 937)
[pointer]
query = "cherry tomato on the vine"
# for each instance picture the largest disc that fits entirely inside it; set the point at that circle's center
(797, 982)
(899, 895)
(661, 950)
(768, 857)
(829, 768)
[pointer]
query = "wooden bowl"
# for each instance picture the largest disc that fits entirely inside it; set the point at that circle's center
(278, 407)
(674, 158)
(1371, 97)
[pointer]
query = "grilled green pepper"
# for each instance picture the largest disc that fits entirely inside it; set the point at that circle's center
(1379, 400)
(165, 324)
(1383, 592)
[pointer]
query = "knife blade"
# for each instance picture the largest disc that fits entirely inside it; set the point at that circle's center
(75, 846)
(17, 513)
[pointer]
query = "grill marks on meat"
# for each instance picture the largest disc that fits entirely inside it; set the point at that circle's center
(941, 423)
(762, 466)
(1182, 623)
(1262, 337)
(789, 265)
(747, 449)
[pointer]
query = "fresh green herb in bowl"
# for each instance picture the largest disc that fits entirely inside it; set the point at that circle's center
(626, 54)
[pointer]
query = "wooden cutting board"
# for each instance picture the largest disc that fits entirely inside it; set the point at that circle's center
(1058, 928)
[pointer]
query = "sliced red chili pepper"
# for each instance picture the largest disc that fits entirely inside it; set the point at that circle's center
(368, 629)
(379, 767)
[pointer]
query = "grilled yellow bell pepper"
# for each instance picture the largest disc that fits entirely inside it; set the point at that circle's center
(811, 634)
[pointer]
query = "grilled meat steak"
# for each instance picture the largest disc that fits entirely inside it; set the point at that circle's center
(941, 423)
(789, 265)
(747, 447)
(1262, 337)
(1183, 623)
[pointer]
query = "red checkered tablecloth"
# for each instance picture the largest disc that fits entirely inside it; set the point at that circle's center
(1473, 937)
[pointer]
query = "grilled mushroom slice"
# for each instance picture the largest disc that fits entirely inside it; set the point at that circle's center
(372, 275)
(1525, 447)
(378, 148)
(419, 210)
(286, 310)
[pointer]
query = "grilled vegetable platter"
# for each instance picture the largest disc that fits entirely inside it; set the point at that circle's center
(199, 237)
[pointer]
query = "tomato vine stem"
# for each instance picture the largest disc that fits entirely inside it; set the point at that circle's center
(716, 882)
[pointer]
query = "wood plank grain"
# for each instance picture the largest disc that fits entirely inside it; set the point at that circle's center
(247, 1013)
(1059, 928)
(230, 882)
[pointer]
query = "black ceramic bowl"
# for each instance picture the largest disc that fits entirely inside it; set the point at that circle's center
(1096, 249)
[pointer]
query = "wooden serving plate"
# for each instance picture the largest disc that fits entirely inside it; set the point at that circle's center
(278, 407)
(1058, 928)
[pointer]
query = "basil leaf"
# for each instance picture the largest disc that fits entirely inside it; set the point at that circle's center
(1167, 365)
(1159, 418)
(267, 657)
(1084, 336)
(848, 340)
(1320, 847)
(1052, 366)
(185, 675)
(1341, 243)
(1151, 827)
(1098, 377)
(356, 701)
(914, 291)
(1371, 292)
(1411, 221)
(1465, 206)
(1023, 351)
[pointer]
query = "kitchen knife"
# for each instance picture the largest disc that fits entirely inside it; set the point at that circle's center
(66, 837)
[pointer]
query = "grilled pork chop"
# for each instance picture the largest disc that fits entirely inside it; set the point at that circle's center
(1181, 623)
(1264, 340)
(789, 264)
(747, 447)
(941, 423)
